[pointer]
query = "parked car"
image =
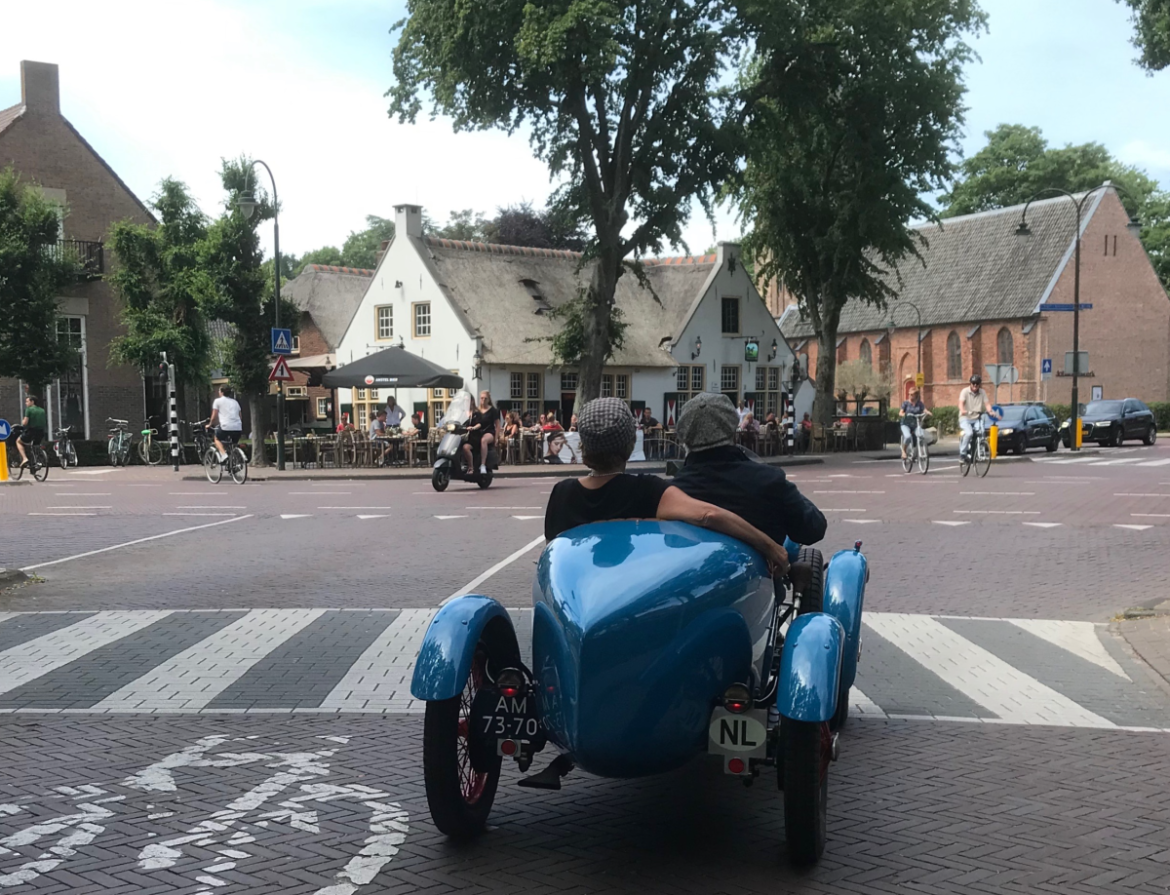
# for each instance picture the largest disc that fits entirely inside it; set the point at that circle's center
(1113, 422)
(1027, 425)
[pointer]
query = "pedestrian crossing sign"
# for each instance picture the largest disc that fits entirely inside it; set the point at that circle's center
(282, 341)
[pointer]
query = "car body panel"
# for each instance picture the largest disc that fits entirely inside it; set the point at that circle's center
(1033, 425)
(810, 666)
(448, 647)
(845, 582)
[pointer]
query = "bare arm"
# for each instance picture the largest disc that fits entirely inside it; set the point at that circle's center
(679, 507)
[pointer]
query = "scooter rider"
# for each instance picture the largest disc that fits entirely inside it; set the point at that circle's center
(481, 432)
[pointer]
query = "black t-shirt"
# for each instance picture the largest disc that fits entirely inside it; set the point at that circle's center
(625, 496)
(487, 419)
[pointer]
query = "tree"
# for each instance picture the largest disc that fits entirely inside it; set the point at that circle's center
(1155, 235)
(619, 97)
(1017, 163)
(361, 249)
(854, 108)
(521, 225)
(466, 225)
(325, 255)
(33, 273)
(160, 281)
(1151, 21)
(240, 292)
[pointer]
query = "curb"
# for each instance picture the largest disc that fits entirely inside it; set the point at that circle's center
(13, 483)
(425, 473)
(11, 576)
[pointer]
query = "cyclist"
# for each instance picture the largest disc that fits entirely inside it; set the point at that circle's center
(226, 421)
(32, 427)
(973, 404)
(912, 405)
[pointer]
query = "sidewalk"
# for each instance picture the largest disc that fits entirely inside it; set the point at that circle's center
(1148, 632)
(271, 474)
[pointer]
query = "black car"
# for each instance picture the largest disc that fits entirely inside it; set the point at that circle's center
(1113, 422)
(1027, 425)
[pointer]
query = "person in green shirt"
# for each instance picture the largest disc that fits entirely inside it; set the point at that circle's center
(33, 427)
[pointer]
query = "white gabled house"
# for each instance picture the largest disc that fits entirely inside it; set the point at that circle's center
(482, 310)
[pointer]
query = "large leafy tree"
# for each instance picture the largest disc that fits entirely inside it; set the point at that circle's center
(1017, 163)
(160, 280)
(618, 97)
(240, 292)
(522, 225)
(1151, 20)
(33, 273)
(854, 109)
(360, 248)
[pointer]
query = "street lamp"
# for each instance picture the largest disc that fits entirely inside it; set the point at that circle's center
(698, 347)
(917, 333)
(1022, 229)
(247, 203)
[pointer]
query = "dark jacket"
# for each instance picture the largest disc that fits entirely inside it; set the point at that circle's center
(761, 494)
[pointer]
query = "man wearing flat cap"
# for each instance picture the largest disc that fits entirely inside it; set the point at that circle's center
(719, 472)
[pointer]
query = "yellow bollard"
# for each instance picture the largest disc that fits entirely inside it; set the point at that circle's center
(3, 461)
(1079, 433)
(993, 440)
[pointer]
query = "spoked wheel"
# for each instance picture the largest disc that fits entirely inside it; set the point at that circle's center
(460, 797)
(965, 460)
(908, 460)
(923, 458)
(440, 479)
(982, 458)
(151, 452)
(112, 451)
(15, 470)
(212, 466)
(238, 466)
(41, 459)
(808, 749)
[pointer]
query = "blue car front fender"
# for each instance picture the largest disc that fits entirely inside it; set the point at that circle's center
(810, 668)
(444, 662)
(844, 595)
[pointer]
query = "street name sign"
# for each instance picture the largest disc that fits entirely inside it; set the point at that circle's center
(282, 341)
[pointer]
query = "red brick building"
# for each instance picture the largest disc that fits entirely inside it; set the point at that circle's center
(45, 149)
(987, 295)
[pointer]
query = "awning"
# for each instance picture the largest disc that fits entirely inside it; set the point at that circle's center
(392, 368)
(313, 362)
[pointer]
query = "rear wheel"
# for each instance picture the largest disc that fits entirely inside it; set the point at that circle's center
(212, 466)
(1151, 435)
(965, 460)
(238, 466)
(982, 458)
(441, 478)
(807, 749)
(459, 796)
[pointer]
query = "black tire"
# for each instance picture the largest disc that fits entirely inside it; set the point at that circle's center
(1119, 436)
(907, 461)
(460, 798)
(211, 465)
(814, 599)
(485, 481)
(151, 454)
(965, 463)
(1021, 447)
(982, 458)
(440, 479)
(112, 453)
(1151, 435)
(41, 471)
(841, 716)
(238, 466)
(1053, 445)
(923, 458)
(15, 470)
(806, 788)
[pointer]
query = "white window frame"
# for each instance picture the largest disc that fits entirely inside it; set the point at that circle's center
(378, 309)
(322, 408)
(723, 371)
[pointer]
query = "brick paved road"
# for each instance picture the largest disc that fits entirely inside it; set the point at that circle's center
(989, 795)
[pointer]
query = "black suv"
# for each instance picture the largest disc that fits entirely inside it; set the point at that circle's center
(1027, 425)
(1113, 422)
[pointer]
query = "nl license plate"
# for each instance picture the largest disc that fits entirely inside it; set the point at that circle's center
(509, 718)
(744, 735)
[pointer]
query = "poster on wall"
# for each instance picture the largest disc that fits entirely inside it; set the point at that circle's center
(1098, 392)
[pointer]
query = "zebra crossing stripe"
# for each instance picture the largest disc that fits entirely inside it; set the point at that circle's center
(979, 674)
(1078, 638)
(37, 657)
(860, 704)
(380, 679)
(1155, 463)
(194, 677)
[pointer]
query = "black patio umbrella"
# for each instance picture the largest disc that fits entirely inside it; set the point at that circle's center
(392, 368)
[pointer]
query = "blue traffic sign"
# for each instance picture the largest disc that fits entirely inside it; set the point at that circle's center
(282, 341)
(1046, 365)
(5, 430)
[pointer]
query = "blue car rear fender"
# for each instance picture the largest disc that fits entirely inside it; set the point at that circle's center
(448, 648)
(844, 594)
(810, 668)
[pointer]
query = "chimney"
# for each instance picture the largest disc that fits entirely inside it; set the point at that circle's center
(408, 220)
(39, 88)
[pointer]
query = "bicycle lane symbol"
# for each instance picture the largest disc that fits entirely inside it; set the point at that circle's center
(229, 831)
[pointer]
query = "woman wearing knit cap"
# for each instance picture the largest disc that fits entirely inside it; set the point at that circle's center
(607, 433)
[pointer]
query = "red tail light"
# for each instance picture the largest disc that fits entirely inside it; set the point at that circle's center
(736, 766)
(510, 683)
(737, 699)
(508, 747)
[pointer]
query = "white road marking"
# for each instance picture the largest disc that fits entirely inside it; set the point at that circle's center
(320, 493)
(1079, 638)
(998, 493)
(89, 471)
(860, 704)
(216, 507)
(80, 508)
(1133, 527)
(1151, 515)
(526, 518)
(165, 534)
(37, 657)
(1044, 524)
(950, 522)
(380, 678)
(1129, 494)
(1155, 463)
(62, 514)
(81, 493)
(355, 508)
(481, 578)
(1077, 460)
(296, 515)
(1119, 462)
(842, 510)
(862, 521)
(194, 677)
(998, 512)
(199, 514)
(503, 508)
(849, 492)
(374, 516)
(980, 674)
(444, 518)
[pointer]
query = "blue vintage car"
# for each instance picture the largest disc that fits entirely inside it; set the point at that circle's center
(652, 642)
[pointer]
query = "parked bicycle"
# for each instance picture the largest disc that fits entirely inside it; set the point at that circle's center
(150, 449)
(118, 446)
(38, 462)
(236, 463)
(916, 448)
(978, 451)
(63, 448)
(201, 438)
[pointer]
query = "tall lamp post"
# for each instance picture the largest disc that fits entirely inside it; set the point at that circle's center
(1022, 229)
(917, 334)
(247, 203)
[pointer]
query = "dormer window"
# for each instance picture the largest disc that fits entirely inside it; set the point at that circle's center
(533, 288)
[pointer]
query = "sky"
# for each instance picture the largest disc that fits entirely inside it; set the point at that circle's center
(168, 89)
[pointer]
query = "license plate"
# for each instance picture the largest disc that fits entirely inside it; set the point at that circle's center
(509, 718)
(744, 735)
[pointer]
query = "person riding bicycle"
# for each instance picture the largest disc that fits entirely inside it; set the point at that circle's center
(32, 427)
(973, 404)
(913, 406)
(226, 421)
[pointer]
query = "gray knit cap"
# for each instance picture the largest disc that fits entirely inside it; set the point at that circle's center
(707, 421)
(606, 426)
